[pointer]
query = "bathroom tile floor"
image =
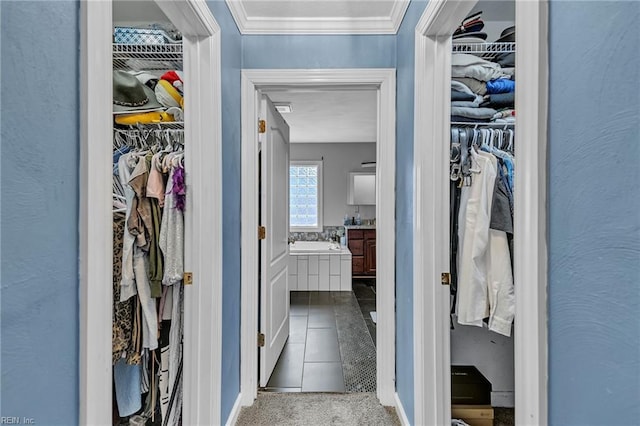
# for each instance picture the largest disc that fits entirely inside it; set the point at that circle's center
(365, 292)
(323, 352)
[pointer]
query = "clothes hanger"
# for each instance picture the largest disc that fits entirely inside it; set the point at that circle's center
(511, 137)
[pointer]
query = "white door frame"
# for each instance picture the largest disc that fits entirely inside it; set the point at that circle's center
(431, 249)
(203, 222)
(384, 81)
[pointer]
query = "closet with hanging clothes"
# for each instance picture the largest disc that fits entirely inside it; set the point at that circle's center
(482, 173)
(149, 196)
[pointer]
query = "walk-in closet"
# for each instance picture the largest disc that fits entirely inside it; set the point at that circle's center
(149, 202)
(482, 173)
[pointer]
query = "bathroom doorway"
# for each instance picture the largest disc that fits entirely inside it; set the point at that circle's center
(382, 83)
(332, 303)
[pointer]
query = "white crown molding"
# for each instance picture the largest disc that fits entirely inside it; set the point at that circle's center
(317, 25)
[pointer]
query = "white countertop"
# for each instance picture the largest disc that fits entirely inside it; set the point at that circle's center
(360, 226)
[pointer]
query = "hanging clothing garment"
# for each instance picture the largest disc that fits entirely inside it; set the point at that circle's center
(135, 262)
(126, 379)
(139, 221)
(155, 184)
(148, 303)
(485, 283)
(500, 278)
(163, 382)
(175, 355)
(126, 163)
(156, 270)
(171, 239)
(122, 323)
(473, 233)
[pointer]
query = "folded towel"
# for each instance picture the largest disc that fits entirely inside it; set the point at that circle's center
(461, 96)
(476, 86)
(473, 112)
(499, 100)
(466, 59)
(461, 87)
(466, 65)
(506, 120)
(461, 119)
(465, 104)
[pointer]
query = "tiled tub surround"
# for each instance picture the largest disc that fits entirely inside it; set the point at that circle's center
(325, 235)
(313, 266)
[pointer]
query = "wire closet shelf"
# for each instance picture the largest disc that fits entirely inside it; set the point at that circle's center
(157, 58)
(506, 47)
(147, 56)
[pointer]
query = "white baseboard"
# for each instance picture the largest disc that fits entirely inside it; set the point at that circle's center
(235, 411)
(400, 410)
(503, 399)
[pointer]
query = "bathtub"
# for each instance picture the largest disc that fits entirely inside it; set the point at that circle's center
(314, 247)
(319, 266)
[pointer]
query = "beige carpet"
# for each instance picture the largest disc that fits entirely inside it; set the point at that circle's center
(317, 409)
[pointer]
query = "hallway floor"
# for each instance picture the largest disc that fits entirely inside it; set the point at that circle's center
(315, 409)
(330, 348)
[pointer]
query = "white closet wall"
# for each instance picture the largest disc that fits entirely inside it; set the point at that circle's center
(137, 13)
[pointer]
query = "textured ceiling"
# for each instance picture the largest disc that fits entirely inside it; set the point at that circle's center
(330, 115)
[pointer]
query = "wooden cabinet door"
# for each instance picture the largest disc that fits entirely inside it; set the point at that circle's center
(370, 256)
(357, 265)
(356, 247)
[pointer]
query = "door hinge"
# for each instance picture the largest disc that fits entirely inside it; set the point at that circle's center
(187, 277)
(262, 232)
(262, 126)
(260, 340)
(445, 278)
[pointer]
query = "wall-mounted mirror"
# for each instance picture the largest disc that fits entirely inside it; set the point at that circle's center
(362, 188)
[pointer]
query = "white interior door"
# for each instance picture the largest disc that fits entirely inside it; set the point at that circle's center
(274, 253)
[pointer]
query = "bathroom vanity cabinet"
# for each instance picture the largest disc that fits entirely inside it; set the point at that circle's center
(362, 245)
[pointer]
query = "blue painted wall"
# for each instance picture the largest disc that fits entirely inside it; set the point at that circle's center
(404, 206)
(231, 64)
(39, 210)
(594, 200)
(594, 214)
(318, 51)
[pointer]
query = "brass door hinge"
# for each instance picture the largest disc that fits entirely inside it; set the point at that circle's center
(262, 126)
(262, 232)
(187, 277)
(445, 278)
(260, 340)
